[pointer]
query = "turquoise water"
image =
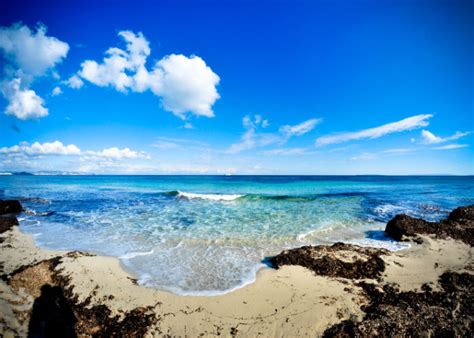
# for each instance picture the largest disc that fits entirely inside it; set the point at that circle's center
(209, 234)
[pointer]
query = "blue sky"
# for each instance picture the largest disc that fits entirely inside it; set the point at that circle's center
(240, 87)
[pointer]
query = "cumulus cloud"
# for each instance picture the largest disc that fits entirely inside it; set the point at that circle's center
(47, 148)
(430, 138)
(251, 138)
(184, 84)
(409, 123)
(118, 154)
(28, 55)
(23, 103)
(74, 82)
(58, 148)
(33, 53)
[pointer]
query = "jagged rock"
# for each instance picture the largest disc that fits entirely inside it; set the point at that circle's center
(462, 214)
(337, 260)
(6, 222)
(10, 207)
(459, 225)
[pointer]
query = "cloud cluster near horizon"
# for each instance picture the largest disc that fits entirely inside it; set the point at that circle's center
(58, 148)
(184, 84)
(29, 55)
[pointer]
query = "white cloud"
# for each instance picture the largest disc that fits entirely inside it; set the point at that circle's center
(168, 143)
(300, 129)
(251, 138)
(285, 151)
(184, 84)
(56, 91)
(47, 148)
(399, 150)
(118, 64)
(409, 123)
(165, 145)
(429, 138)
(23, 103)
(74, 82)
(33, 53)
(58, 148)
(364, 157)
(51, 156)
(452, 146)
(118, 154)
(29, 55)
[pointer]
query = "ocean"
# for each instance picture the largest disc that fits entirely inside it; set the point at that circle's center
(207, 235)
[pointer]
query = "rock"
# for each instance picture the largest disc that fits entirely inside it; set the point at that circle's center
(462, 214)
(403, 225)
(337, 260)
(6, 222)
(459, 225)
(10, 207)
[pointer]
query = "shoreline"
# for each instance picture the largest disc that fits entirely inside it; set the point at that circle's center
(294, 299)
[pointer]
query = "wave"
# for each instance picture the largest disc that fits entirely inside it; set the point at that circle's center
(257, 197)
(32, 212)
(134, 254)
(34, 200)
(211, 197)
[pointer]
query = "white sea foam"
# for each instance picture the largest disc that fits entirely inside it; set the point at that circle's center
(250, 278)
(211, 197)
(390, 209)
(384, 244)
(134, 254)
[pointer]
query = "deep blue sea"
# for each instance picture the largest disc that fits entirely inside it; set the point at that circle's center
(210, 234)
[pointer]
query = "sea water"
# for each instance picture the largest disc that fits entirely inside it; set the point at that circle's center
(210, 234)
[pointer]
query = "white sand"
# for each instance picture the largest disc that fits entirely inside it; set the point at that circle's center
(291, 301)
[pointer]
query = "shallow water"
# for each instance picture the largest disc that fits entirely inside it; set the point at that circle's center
(209, 234)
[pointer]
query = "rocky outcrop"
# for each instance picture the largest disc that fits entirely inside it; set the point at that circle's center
(445, 312)
(459, 225)
(6, 222)
(390, 313)
(337, 260)
(10, 207)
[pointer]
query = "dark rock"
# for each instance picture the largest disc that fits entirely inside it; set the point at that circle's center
(445, 313)
(10, 207)
(462, 214)
(6, 222)
(403, 225)
(459, 225)
(338, 260)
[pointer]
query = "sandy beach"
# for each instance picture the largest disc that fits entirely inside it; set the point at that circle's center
(293, 300)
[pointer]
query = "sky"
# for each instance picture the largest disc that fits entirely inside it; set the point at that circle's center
(237, 87)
